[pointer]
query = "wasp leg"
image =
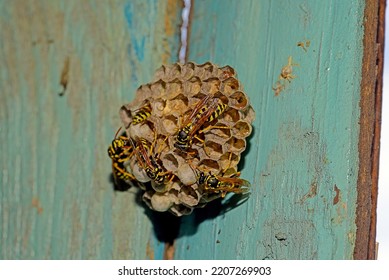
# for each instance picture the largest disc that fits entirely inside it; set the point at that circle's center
(172, 176)
(123, 173)
(202, 144)
(225, 190)
(125, 155)
(228, 166)
(160, 149)
(213, 126)
(198, 138)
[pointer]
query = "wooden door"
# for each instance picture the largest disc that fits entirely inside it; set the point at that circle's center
(312, 70)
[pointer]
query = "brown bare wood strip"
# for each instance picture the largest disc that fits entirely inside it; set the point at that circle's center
(370, 124)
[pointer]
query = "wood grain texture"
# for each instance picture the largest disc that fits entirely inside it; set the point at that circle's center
(66, 68)
(303, 159)
(370, 129)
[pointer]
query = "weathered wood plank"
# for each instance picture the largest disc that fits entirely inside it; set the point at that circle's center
(66, 68)
(370, 129)
(303, 158)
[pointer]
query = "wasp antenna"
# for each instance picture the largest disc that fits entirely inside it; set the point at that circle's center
(117, 132)
(132, 143)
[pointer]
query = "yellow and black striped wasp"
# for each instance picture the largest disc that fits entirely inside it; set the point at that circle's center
(120, 151)
(205, 111)
(223, 185)
(140, 115)
(147, 161)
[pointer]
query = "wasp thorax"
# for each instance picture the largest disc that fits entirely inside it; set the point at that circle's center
(186, 131)
(182, 136)
(212, 182)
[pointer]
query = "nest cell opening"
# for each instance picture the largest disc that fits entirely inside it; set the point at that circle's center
(189, 196)
(213, 149)
(158, 88)
(158, 106)
(180, 210)
(162, 188)
(229, 86)
(187, 72)
(174, 88)
(238, 100)
(229, 160)
(209, 165)
(236, 144)
(170, 124)
(186, 174)
(192, 86)
(211, 86)
(205, 70)
(171, 72)
(231, 115)
(161, 202)
(170, 162)
(219, 129)
(241, 129)
(176, 106)
(226, 72)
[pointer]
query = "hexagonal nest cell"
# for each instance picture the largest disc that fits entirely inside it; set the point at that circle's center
(184, 130)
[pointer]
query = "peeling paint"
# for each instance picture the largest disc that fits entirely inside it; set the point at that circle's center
(337, 195)
(304, 45)
(37, 205)
(64, 76)
(311, 193)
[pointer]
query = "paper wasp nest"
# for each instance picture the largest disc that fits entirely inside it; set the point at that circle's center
(166, 104)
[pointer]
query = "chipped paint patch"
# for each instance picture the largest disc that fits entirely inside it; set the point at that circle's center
(304, 45)
(337, 194)
(64, 76)
(311, 193)
(37, 205)
(341, 213)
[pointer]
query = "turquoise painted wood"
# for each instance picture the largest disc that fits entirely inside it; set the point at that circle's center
(66, 68)
(303, 155)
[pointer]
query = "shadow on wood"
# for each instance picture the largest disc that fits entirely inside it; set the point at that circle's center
(212, 210)
(168, 227)
(118, 185)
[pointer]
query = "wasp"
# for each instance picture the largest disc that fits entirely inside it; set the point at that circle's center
(140, 115)
(143, 152)
(205, 111)
(216, 184)
(120, 151)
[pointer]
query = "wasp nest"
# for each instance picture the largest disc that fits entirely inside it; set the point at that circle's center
(186, 131)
